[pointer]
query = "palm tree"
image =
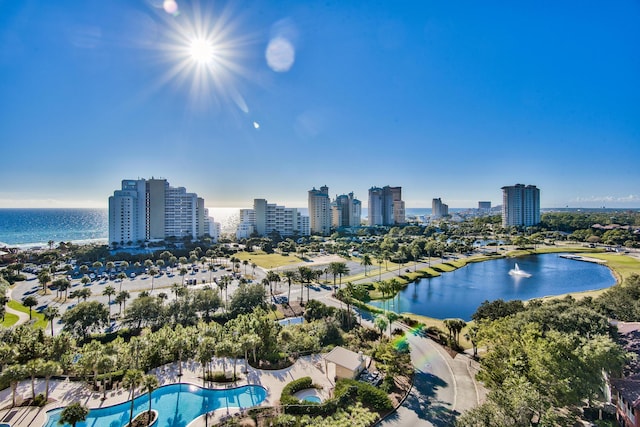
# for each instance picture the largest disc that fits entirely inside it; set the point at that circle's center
(152, 272)
(347, 294)
(121, 276)
(132, 379)
(105, 364)
(163, 297)
(64, 287)
(73, 414)
(12, 375)
(109, 291)
(338, 269)
(44, 278)
(366, 261)
(305, 276)
(30, 301)
(384, 287)
(379, 259)
(51, 313)
(395, 287)
(97, 265)
(272, 276)
(124, 295)
(149, 383)
(85, 280)
(120, 299)
(245, 263)
(289, 275)
(183, 272)
(49, 369)
(34, 366)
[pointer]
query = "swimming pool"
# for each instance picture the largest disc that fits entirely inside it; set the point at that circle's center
(177, 405)
(315, 399)
(291, 321)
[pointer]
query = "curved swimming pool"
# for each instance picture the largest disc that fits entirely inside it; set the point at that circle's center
(177, 405)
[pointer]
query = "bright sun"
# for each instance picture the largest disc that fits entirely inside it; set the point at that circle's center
(201, 51)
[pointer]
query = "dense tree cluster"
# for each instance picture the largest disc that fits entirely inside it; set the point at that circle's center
(542, 362)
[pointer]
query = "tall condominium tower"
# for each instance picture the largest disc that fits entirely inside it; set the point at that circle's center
(520, 205)
(152, 209)
(346, 211)
(439, 209)
(320, 211)
(386, 206)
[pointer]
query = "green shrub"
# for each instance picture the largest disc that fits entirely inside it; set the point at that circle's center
(39, 400)
(367, 394)
(287, 398)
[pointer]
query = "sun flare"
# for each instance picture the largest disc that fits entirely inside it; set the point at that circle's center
(207, 52)
(201, 51)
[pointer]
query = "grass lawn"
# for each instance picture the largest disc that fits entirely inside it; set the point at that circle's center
(10, 319)
(38, 317)
(551, 250)
(439, 323)
(623, 265)
(266, 260)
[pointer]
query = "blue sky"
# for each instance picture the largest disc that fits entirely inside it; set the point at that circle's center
(446, 99)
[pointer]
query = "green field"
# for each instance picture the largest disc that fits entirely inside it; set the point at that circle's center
(266, 260)
(38, 317)
(10, 319)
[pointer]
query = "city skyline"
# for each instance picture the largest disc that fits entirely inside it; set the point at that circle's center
(246, 100)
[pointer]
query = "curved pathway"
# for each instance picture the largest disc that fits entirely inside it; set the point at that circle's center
(22, 317)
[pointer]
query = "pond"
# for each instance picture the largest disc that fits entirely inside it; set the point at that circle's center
(460, 292)
(177, 405)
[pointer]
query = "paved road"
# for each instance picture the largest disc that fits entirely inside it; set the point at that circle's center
(443, 387)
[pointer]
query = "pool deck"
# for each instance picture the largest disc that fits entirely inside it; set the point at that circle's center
(66, 392)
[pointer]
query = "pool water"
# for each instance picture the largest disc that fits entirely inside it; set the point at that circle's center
(315, 399)
(177, 405)
(291, 321)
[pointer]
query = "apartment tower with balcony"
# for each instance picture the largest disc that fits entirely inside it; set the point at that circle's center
(520, 205)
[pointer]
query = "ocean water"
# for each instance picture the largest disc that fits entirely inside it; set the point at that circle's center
(36, 227)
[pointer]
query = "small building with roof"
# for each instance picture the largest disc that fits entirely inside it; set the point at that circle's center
(346, 363)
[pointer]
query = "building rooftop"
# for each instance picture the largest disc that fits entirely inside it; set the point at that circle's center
(344, 357)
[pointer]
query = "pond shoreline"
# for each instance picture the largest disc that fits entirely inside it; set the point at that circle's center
(614, 263)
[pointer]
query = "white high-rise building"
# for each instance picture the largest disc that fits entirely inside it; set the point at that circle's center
(267, 218)
(386, 206)
(320, 211)
(153, 210)
(520, 205)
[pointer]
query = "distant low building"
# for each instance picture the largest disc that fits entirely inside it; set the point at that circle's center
(484, 206)
(266, 218)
